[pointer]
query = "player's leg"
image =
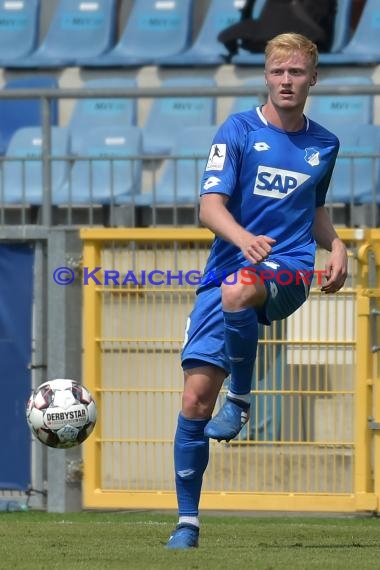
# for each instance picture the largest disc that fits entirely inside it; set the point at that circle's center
(270, 293)
(191, 449)
(240, 302)
(204, 364)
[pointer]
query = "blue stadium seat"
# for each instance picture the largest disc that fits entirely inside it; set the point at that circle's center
(342, 26)
(357, 180)
(154, 29)
(102, 173)
(340, 38)
(363, 46)
(180, 180)
(19, 28)
(207, 50)
(335, 110)
(168, 114)
(18, 113)
(97, 112)
(246, 102)
(23, 179)
(79, 29)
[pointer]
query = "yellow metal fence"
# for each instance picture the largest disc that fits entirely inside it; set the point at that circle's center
(312, 443)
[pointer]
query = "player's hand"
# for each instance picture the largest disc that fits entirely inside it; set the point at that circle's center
(257, 248)
(336, 271)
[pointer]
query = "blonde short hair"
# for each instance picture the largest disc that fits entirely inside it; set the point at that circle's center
(285, 44)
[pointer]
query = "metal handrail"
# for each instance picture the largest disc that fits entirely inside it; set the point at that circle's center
(48, 94)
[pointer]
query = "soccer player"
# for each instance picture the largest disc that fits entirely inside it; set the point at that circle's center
(262, 195)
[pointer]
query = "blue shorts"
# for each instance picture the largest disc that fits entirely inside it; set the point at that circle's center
(204, 335)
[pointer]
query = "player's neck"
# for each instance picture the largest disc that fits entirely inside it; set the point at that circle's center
(291, 120)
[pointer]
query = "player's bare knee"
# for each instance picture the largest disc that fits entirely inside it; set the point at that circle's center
(240, 296)
(193, 406)
(232, 296)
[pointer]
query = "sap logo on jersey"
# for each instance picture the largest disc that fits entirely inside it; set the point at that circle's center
(277, 183)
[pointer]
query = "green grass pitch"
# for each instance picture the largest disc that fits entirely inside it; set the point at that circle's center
(135, 541)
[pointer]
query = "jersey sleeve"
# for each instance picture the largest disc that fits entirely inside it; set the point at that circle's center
(323, 185)
(222, 168)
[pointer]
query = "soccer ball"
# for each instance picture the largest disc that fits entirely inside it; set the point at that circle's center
(61, 413)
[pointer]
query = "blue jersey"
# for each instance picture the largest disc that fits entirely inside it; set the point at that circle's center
(275, 180)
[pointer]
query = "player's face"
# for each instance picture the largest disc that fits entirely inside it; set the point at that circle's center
(289, 79)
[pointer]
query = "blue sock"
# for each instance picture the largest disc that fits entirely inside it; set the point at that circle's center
(191, 453)
(241, 336)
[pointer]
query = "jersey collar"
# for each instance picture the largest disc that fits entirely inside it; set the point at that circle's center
(263, 119)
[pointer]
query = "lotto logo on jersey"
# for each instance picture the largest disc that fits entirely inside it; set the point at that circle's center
(277, 183)
(211, 182)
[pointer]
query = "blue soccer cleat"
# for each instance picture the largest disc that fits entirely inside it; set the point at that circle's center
(184, 536)
(228, 422)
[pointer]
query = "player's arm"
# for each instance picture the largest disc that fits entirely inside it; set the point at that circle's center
(327, 238)
(216, 217)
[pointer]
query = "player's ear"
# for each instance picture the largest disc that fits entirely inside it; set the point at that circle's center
(313, 80)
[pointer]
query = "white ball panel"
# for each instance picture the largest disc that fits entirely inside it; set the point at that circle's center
(36, 418)
(67, 434)
(92, 412)
(63, 399)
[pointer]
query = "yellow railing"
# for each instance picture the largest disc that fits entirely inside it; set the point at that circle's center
(313, 439)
